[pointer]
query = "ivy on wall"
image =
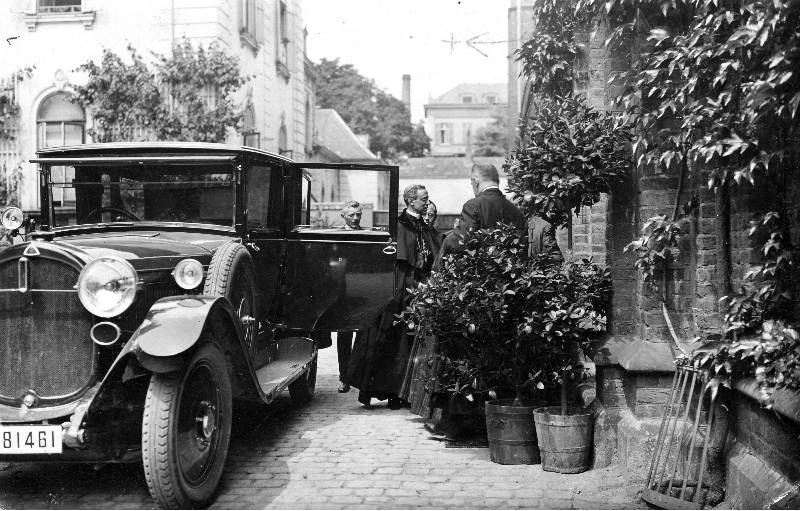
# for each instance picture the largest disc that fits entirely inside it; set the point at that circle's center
(187, 95)
(713, 94)
(9, 109)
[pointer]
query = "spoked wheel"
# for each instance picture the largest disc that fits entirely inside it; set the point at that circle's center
(186, 430)
(302, 389)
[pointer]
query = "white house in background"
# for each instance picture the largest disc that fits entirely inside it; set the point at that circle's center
(57, 36)
(452, 120)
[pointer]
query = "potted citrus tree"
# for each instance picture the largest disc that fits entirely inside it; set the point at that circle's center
(568, 322)
(500, 318)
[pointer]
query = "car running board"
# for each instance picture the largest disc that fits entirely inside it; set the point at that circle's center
(294, 355)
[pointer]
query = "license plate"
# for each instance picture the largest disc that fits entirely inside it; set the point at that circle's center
(30, 439)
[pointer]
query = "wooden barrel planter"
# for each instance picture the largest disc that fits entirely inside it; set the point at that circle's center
(565, 441)
(511, 433)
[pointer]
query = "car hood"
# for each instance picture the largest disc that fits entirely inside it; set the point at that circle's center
(142, 250)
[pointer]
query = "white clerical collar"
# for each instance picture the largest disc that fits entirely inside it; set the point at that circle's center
(493, 187)
(411, 213)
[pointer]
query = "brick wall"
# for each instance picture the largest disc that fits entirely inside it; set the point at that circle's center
(771, 436)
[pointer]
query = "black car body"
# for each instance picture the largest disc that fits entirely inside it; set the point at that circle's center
(189, 276)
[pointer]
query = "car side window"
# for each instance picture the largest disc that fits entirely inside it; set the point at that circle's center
(333, 197)
(262, 197)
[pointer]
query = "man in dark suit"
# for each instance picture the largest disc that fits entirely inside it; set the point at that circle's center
(351, 213)
(488, 207)
(484, 212)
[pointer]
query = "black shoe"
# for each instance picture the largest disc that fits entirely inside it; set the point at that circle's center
(343, 389)
(433, 430)
(395, 403)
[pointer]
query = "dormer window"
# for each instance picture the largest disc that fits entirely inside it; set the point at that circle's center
(491, 99)
(467, 98)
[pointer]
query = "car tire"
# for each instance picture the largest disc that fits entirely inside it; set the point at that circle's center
(186, 430)
(302, 389)
(232, 274)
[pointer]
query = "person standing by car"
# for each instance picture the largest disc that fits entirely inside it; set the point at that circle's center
(484, 211)
(351, 213)
(380, 357)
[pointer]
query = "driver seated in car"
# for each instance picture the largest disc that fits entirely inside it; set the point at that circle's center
(351, 213)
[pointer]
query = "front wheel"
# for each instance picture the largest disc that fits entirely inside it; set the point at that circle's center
(186, 430)
(302, 389)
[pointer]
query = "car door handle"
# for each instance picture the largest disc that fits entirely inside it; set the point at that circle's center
(390, 248)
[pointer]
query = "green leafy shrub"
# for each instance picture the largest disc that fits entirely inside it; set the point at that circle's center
(568, 156)
(507, 324)
(187, 95)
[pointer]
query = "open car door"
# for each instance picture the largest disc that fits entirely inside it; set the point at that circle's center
(339, 279)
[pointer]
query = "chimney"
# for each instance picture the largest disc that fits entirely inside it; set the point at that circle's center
(407, 92)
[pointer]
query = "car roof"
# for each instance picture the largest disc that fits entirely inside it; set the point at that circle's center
(153, 149)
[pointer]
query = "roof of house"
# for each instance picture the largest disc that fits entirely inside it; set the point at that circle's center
(335, 135)
(445, 167)
(479, 90)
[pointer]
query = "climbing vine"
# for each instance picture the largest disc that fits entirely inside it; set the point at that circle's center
(187, 95)
(9, 109)
(713, 95)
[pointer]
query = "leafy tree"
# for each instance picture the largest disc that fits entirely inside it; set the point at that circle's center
(121, 96)
(201, 85)
(492, 139)
(369, 110)
(187, 95)
(570, 155)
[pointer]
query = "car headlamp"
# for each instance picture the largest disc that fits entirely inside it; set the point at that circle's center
(12, 218)
(188, 274)
(107, 286)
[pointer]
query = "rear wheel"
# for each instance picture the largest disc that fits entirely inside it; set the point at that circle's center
(186, 429)
(302, 389)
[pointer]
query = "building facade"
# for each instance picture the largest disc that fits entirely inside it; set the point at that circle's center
(52, 38)
(521, 23)
(452, 119)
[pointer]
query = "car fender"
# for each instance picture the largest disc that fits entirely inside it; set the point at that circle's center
(174, 325)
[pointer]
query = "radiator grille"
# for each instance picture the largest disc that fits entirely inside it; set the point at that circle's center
(45, 342)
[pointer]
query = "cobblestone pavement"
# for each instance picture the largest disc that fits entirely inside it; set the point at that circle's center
(331, 454)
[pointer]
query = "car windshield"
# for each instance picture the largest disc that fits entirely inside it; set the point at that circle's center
(198, 194)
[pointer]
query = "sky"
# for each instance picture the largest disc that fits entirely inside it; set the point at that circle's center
(385, 39)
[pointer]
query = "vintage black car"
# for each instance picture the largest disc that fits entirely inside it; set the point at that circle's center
(161, 282)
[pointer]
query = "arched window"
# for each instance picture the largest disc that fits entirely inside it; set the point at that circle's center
(250, 137)
(283, 142)
(60, 122)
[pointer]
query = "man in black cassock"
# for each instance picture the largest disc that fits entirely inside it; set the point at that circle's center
(380, 357)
